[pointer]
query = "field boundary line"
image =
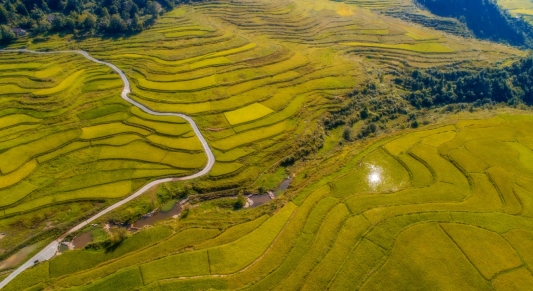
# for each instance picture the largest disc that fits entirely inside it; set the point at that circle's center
(524, 264)
(463, 252)
(502, 198)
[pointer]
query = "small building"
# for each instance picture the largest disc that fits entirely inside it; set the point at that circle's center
(50, 17)
(19, 31)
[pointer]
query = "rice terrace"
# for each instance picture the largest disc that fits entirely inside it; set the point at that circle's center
(266, 145)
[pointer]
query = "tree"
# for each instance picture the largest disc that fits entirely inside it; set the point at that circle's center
(40, 16)
(73, 5)
(89, 22)
(168, 4)
(103, 23)
(70, 23)
(116, 237)
(136, 23)
(105, 13)
(21, 9)
(134, 10)
(56, 4)
(116, 24)
(6, 34)
(127, 6)
(58, 23)
(368, 129)
(185, 212)
(36, 14)
(103, 20)
(241, 200)
(347, 133)
(3, 15)
(151, 8)
(364, 113)
(43, 26)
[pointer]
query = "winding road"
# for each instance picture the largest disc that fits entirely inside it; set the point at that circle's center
(50, 250)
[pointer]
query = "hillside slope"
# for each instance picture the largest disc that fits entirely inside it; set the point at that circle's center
(263, 81)
(364, 225)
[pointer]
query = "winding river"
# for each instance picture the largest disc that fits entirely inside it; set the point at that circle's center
(50, 250)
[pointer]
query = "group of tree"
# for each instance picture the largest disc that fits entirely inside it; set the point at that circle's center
(306, 144)
(6, 34)
(115, 236)
(370, 106)
(80, 16)
(485, 19)
(434, 87)
(376, 106)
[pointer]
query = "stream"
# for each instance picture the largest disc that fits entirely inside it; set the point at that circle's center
(152, 218)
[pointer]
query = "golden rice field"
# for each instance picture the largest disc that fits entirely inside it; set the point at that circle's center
(71, 137)
(66, 136)
(255, 75)
(244, 69)
(449, 207)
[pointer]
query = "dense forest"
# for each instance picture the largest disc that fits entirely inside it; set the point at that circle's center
(367, 110)
(434, 87)
(485, 19)
(79, 16)
(371, 108)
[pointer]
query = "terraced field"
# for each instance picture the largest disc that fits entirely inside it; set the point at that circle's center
(520, 8)
(257, 77)
(67, 137)
(274, 64)
(449, 207)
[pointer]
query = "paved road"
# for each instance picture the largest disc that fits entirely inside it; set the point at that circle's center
(50, 250)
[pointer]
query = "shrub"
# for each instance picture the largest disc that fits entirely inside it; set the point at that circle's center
(241, 200)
